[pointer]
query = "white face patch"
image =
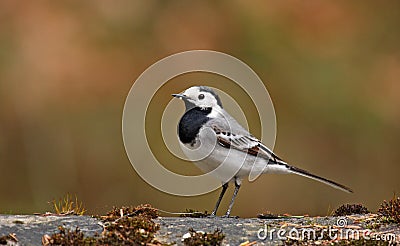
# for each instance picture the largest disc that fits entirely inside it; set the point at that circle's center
(199, 98)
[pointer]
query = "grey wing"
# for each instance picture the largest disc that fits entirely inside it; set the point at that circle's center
(233, 135)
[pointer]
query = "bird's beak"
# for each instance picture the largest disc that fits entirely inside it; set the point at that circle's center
(180, 96)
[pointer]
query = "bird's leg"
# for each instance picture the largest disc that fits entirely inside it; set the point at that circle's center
(235, 192)
(224, 187)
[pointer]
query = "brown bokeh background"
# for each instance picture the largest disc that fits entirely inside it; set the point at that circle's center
(332, 69)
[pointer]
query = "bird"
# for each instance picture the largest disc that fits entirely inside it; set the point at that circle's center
(210, 137)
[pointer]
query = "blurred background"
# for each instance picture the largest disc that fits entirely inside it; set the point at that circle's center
(332, 69)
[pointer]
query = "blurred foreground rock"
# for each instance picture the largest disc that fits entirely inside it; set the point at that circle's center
(29, 229)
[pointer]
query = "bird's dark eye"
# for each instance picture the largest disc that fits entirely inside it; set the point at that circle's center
(201, 96)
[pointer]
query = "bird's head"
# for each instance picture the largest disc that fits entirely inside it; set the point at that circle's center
(200, 96)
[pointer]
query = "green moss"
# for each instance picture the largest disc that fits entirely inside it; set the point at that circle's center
(122, 226)
(194, 214)
(68, 237)
(267, 215)
(373, 224)
(145, 210)
(206, 239)
(389, 211)
(137, 230)
(349, 209)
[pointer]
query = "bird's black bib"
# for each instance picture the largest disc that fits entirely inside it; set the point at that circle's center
(191, 122)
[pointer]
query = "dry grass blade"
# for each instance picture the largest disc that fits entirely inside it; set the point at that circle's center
(67, 206)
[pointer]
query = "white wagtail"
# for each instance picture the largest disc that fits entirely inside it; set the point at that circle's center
(206, 123)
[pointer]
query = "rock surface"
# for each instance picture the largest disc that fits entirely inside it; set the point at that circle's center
(29, 229)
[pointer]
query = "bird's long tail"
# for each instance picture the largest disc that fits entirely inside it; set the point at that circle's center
(309, 175)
